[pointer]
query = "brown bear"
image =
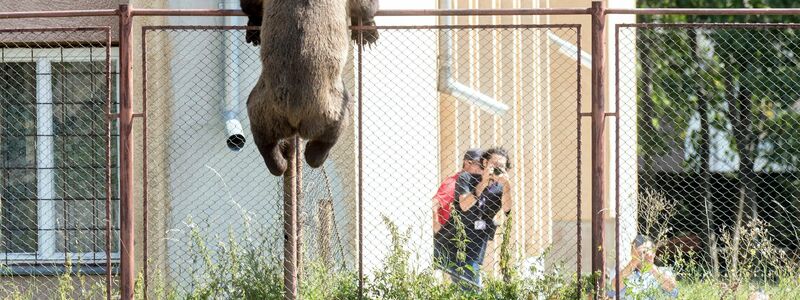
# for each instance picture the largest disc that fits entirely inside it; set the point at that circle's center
(304, 48)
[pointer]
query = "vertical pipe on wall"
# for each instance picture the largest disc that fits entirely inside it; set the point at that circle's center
(234, 132)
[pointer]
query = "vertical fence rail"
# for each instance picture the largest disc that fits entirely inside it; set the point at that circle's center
(108, 181)
(578, 160)
(145, 206)
(360, 134)
(616, 160)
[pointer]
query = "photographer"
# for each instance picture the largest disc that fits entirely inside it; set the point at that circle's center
(641, 278)
(478, 198)
(443, 205)
(442, 201)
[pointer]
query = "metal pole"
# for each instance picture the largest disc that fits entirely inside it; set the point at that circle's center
(382, 13)
(598, 143)
(617, 118)
(360, 78)
(579, 164)
(298, 210)
(420, 12)
(145, 184)
(59, 14)
(705, 11)
(290, 223)
(127, 215)
(109, 119)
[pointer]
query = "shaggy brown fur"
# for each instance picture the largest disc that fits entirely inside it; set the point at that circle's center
(304, 47)
(361, 12)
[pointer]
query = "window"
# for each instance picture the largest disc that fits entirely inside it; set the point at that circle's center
(53, 157)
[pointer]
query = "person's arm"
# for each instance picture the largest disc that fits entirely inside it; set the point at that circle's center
(466, 193)
(467, 200)
(624, 273)
(436, 225)
(506, 200)
(445, 188)
(665, 280)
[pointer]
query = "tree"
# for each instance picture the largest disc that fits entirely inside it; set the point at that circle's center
(737, 81)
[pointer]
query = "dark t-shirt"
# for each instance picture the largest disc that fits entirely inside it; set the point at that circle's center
(484, 210)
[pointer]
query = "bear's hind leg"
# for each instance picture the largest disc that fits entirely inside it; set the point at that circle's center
(273, 139)
(317, 150)
(318, 147)
(273, 153)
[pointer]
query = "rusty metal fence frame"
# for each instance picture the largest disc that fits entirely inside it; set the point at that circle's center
(127, 15)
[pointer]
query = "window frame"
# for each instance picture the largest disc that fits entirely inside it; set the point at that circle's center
(47, 253)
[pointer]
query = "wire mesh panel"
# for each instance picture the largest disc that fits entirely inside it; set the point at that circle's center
(428, 95)
(708, 128)
(214, 213)
(57, 163)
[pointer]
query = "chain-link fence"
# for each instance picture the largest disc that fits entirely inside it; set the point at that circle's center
(708, 129)
(58, 205)
(213, 213)
(218, 226)
(492, 86)
(701, 160)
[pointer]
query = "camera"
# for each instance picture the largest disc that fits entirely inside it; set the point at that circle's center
(497, 171)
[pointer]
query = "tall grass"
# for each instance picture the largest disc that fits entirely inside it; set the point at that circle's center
(246, 264)
(242, 269)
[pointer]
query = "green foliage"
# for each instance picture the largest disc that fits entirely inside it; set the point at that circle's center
(682, 69)
(241, 269)
(781, 130)
(460, 238)
(320, 282)
(710, 83)
(238, 269)
(506, 269)
(396, 280)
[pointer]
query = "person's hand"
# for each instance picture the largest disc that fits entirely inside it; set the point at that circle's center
(504, 180)
(649, 257)
(487, 175)
(648, 261)
(635, 262)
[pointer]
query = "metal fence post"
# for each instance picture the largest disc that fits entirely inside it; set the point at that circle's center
(360, 77)
(290, 223)
(127, 215)
(598, 143)
(299, 221)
